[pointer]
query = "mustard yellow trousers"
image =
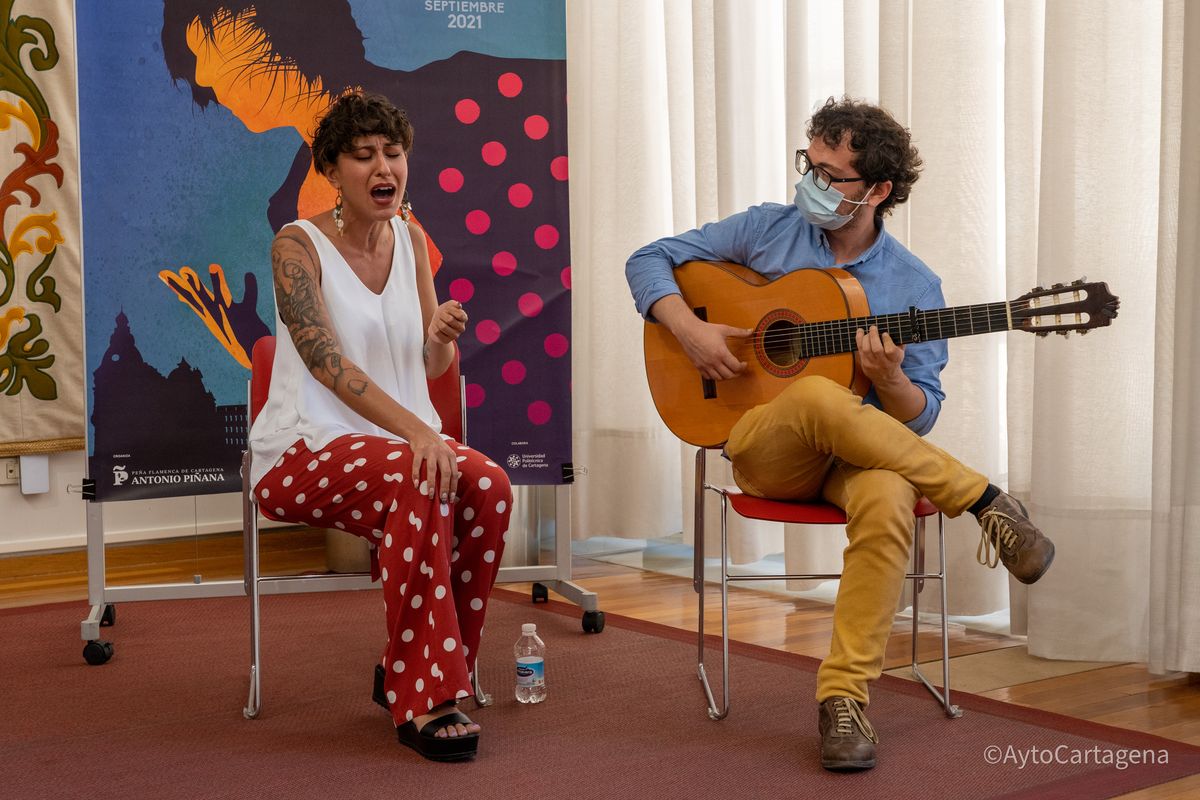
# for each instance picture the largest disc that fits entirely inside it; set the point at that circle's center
(818, 439)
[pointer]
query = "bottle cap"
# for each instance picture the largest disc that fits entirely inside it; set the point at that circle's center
(528, 629)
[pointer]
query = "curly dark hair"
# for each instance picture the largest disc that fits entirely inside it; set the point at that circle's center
(883, 149)
(358, 114)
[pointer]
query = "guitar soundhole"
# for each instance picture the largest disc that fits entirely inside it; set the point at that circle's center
(777, 345)
(780, 344)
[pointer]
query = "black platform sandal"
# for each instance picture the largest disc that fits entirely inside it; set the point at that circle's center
(377, 693)
(444, 748)
(423, 741)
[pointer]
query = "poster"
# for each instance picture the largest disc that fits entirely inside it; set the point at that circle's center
(195, 119)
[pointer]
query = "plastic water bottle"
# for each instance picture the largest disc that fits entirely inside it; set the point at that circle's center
(531, 665)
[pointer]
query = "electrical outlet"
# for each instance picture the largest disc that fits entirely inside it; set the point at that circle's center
(12, 471)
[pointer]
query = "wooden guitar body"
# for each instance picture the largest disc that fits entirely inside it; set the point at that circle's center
(701, 411)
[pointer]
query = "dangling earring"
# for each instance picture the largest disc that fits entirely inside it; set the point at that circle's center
(338, 222)
(405, 207)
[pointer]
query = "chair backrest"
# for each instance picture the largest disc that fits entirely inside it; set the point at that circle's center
(262, 359)
(446, 394)
(445, 391)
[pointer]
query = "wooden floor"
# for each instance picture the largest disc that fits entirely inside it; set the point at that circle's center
(1125, 696)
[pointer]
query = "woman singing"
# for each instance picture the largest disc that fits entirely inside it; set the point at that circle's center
(349, 438)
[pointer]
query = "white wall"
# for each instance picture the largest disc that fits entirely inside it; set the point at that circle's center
(56, 519)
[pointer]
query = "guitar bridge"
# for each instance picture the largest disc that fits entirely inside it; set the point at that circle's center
(708, 386)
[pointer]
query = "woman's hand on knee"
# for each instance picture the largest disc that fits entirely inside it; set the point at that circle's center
(436, 458)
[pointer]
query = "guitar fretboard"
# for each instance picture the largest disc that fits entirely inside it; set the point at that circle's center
(838, 336)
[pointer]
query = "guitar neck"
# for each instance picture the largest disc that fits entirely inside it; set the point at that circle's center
(838, 336)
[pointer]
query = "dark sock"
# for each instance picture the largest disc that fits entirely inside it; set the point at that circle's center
(989, 494)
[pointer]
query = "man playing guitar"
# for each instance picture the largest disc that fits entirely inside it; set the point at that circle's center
(816, 438)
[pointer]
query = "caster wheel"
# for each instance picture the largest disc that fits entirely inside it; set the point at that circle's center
(97, 652)
(593, 621)
(109, 618)
(540, 593)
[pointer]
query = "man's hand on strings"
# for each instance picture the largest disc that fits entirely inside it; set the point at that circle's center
(879, 356)
(706, 345)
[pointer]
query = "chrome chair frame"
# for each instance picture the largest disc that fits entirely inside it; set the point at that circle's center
(918, 577)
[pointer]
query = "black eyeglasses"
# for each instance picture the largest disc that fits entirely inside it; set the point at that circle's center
(821, 175)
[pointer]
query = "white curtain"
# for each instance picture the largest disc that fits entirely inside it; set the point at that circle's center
(1051, 136)
(1175, 531)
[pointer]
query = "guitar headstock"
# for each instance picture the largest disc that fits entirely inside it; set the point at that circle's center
(1076, 306)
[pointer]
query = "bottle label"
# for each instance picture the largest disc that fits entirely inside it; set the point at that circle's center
(531, 671)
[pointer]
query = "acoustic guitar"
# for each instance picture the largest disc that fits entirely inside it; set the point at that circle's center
(804, 323)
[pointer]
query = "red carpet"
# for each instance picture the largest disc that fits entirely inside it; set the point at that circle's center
(624, 718)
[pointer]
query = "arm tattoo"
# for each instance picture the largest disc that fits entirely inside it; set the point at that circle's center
(303, 311)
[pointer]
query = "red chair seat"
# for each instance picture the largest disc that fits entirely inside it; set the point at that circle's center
(811, 513)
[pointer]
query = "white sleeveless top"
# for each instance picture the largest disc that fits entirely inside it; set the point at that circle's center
(381, 333)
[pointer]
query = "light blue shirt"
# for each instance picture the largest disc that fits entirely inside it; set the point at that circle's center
(773, 240)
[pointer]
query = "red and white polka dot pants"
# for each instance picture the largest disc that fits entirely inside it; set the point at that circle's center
(437, 561)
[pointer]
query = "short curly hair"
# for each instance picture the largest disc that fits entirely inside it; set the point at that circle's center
(883, 149)
(353, 115)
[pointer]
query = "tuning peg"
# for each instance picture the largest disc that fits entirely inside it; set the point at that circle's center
(1084, 332)
(1043, 334)
(1063, 333)
(1039, 288)
(1080, 282)
(1058, 286)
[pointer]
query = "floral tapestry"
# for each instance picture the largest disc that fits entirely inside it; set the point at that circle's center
(41, 340)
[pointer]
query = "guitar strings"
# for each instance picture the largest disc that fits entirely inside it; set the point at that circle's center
(823, 331)
(948, 316)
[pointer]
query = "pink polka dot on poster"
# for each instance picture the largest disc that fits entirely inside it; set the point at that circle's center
(493, 154)
(530, 304)
(539, 412)
(556, 345)
(565, 276)
(467, 110)
(461, 290)
(504, 263)
(536, 126)
(487, 331)
(450, 179)
(520, 195)
(478, 222)
(475, 395)
(510, 84)
(513, 372)
(546, 236)
(558, 168)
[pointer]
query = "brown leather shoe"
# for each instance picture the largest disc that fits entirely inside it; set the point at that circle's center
(847, 738)
(1008, 537)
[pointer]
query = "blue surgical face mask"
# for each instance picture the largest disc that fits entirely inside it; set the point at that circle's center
(819, 206)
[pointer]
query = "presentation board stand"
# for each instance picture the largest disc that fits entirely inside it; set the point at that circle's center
(103, 598)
